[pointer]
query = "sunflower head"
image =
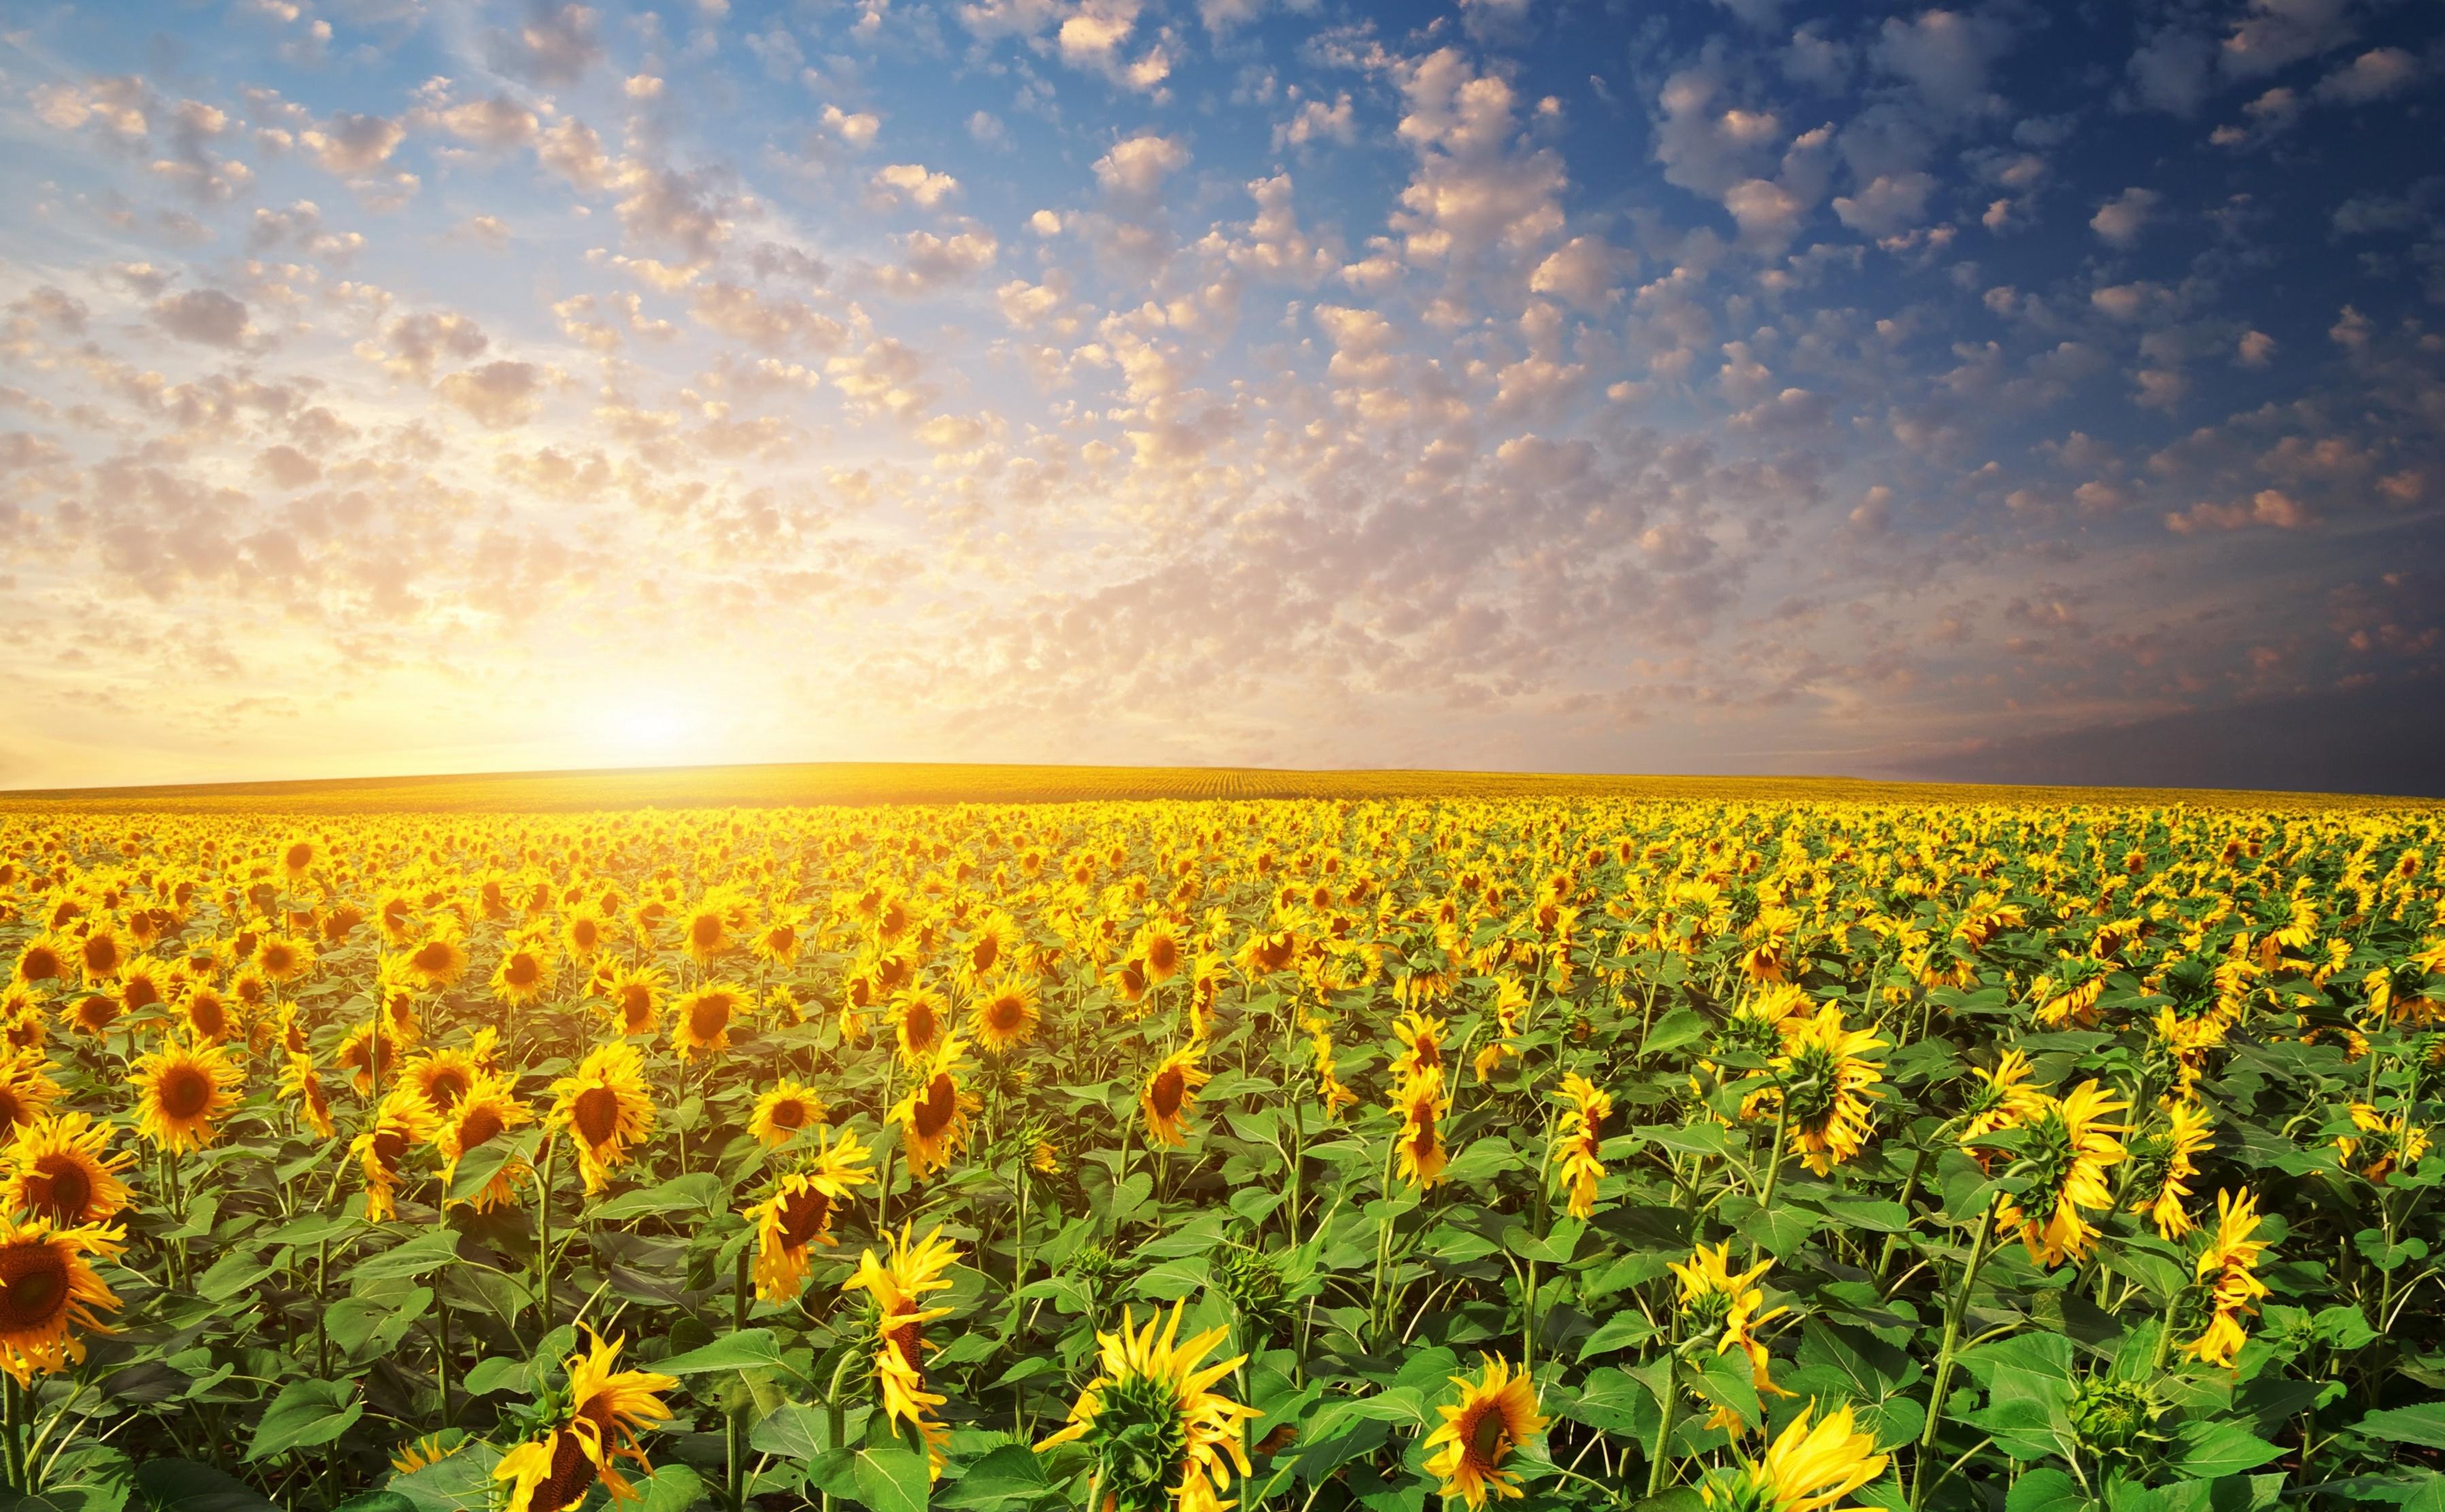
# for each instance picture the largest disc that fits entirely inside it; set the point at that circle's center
(1158, 1433)
(48, 1293)
(1496, 1412)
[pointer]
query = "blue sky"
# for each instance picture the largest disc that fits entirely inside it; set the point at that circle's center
(1735, 385)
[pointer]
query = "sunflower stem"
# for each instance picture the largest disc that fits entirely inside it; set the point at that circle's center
(1662, 1458)
(543, 1232)
(1773, 1161)
(1979, 1245)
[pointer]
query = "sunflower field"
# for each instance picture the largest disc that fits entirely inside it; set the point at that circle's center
(1562, 1151)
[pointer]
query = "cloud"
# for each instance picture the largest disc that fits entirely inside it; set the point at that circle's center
(555, 44)
(2119, 220)
(2377, 74)
(353, 145)
(1888, 206)
(499, 395)
(1136, 166)
(204, 315)
(495, 121)
(2272, 508)
(1945, 55)
(915, 182)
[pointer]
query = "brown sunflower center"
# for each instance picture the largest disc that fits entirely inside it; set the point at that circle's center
(1487, 1436)
(1165, 1095)
(596, 1114)
(571, 1475)
(479, 1125)
(522, 970)
(803, 1216)
(33, 1286)
(205, 1013)
(1163, 954)
(789, 1113)
(709, 1016)
(935, 1109)
(97, 1013)
(444, 1087)
(432, 956)
(985, 952)
(39, 963)
(58, 1186)
(704, 932)
(389, 1145)
(918, 1025)
(100, 955)
(1006, 1014)
(636, 1009)
(186, 1091)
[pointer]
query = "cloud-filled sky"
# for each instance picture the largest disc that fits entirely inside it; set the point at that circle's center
(1735, 385)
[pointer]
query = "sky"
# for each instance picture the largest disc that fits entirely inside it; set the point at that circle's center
(2004, 391)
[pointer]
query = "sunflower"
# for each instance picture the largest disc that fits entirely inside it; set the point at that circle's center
(442, 1076)
(1329, 1089)
(47, 1291)
(101, 952)
(701, 1019)
(45, 958)
(180, 1090)
(1714, 1297)
(400, 1122)
(364, 1053)
(777, 943)
(595, 1421)
(1827, 1083)
(437, 963)
(1805, 1470)
(145, 983)
(898, 1286)
(1157, 1432)
(2003, 1099)
(93, 1014)
(799, 1214)
(781, 1111)
(991, 939)
(933, 1118)
(2380, 1145)
(705, 929)
(431, 1449)
(487, 1110)
(1420, 1102)
(916, 1024)
(208, 1014)
(26, 1090)
(1497, 1411)
(585, 934)
(606, 1106)
(2070, 1148)
(297, 1079)
(61, 1167)
(524, 973)
(1580, 1141)
(635, 996)
(1158, 947)
(1422, 1045)
(1171, 1094)
(1004, 1014)
(2228, 1267)
(284, 958)
(2164, 1164)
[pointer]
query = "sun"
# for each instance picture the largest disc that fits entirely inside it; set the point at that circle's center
(645, 727)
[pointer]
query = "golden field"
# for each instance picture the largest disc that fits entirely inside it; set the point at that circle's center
(1035, 1138)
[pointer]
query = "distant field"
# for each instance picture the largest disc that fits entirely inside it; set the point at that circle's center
(872, 782)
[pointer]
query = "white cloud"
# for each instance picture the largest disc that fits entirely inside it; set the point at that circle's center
(2119, 220)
